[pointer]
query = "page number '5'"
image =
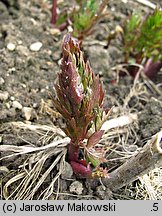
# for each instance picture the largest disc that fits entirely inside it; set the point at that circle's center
(155, 207)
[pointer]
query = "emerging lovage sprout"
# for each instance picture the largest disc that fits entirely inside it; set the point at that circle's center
(79, 100)
(82, 17)
(141, 42)
(142, 39)
(143, 36)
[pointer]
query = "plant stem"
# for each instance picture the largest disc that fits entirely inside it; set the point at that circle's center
(73, 152)
(148, 158)
(54, 12)
(152, 68)
(87, 31)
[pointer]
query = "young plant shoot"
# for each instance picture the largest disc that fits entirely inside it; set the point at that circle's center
(80, 100)
(142, 38)
(141, 42)
(82, 18)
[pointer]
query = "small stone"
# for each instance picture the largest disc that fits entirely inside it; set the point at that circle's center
(35, 105)
(4, 169)
(19, 42)
(28, 113)
(4, 95)
(1, 81)
(54, 31)
(35, 47)
(11, 46)
(11, 70)
(7, 105)
(76, 187)
(43, 90)
(67, 172)
(12, 98)
(103, 193)
(23, 85)
(17, 105)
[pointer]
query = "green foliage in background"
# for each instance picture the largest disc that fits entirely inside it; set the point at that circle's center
(143, 37)
(83, 17)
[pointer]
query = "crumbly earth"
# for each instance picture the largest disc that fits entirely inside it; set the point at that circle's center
(28, 74)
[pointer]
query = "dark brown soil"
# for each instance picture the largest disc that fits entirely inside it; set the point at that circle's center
(27, 76)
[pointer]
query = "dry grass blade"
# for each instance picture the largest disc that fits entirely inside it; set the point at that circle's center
(27, 184)
(144, 161)
(151, 185)
(4, 169)
(10, 182)
(44, 176)
(30, 177)
(50, 189)
(147, 184)
(29, 149)
(119, 122)
(151, 85)
(147, 3)
(33, 178)
(37, 128)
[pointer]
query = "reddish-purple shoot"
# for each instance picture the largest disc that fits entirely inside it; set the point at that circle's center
(151, 68)
(54, 12)
(80, 101)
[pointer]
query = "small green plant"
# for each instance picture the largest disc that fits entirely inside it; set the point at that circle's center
(82, 19)
(142, 42)
(142, 39)
(80, 100)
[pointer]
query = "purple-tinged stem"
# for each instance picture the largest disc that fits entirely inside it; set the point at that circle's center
(54, 12)
(152, 68)
(79, 166)
(73, 152)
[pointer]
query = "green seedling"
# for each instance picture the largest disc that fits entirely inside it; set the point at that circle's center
(142, 39)
(82, 19)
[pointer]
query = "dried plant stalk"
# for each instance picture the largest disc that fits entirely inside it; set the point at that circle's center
(148, 158)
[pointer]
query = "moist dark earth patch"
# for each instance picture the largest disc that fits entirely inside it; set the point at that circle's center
(27, 77)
